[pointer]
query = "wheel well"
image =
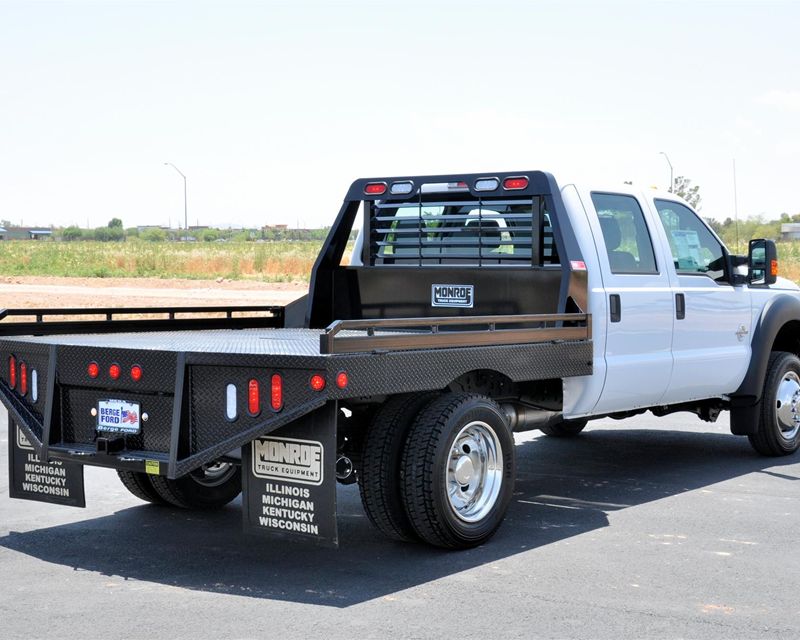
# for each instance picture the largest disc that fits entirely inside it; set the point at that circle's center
(547, 394)
(788, 338)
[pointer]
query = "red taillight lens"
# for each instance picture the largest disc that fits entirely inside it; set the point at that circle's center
(23, 378)
(276, 392)
(12, 372)
(114, 371)
(93, 370)
(342, 380)
(375, 188)
(519, 182)
(317, 382)
(253, 398)
(136, 373)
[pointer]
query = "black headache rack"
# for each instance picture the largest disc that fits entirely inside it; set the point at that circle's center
(186, 375)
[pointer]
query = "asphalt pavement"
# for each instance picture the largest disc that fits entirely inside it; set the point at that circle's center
(644, 528)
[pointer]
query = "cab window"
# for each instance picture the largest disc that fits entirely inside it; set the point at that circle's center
(695, 250)
(625, 234)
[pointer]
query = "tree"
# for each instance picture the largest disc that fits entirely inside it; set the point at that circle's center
(72, 233)
(115, 223)
(683, 187)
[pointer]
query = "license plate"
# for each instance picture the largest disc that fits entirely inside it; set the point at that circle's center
(118, 416)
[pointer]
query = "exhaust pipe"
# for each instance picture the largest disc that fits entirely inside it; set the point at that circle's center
(523, 418)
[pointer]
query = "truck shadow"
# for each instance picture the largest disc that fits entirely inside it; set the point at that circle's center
(564, 489)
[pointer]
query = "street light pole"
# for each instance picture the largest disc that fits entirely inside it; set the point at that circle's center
(185, 205)
(671, 176)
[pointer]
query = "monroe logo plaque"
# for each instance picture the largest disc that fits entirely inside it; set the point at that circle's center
(452, 295)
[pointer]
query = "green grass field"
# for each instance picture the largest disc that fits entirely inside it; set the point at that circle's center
(280, 261)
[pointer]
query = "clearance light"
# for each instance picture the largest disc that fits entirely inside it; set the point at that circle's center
(317, 382)
(230, 402)
(12, 372)
(342, 380)
(486, 184)
(276, 392)
(93, 370)
(401, 188)
(34, 385)
(114, 371)
(253, 398)
(23, 378)
(136, 373)
(515, 183)
(375, 188)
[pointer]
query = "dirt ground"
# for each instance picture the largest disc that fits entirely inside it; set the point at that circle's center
(49, 292)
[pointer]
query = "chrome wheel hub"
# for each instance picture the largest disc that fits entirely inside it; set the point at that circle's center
(787, 405)
(215, 474)
(474, 474)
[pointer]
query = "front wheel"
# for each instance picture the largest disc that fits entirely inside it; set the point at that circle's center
(458, 470)
(210, 487)
(778, 431)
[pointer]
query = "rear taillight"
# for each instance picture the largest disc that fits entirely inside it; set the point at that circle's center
(12, 372)
(23, 378)
(276, 392)
(342, 380)
(253, 398)
(114, 371)
(317, 382)
(93, 370)
(136, 373)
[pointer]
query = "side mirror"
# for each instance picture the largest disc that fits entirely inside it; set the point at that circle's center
(762, 262)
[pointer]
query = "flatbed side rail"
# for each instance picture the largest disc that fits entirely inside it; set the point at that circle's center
(134, 319)
(461, 331)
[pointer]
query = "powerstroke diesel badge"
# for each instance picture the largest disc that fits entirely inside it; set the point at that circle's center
(288, 459)
(452, 295)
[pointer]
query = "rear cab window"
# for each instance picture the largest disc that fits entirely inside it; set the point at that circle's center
(625, 235)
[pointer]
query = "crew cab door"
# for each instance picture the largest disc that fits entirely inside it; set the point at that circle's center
(711, 341)
(639, 317)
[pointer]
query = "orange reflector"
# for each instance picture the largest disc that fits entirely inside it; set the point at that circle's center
(342, 380)
(519, 182)
(276, 392)
(375, 188)
(93, 370)
(23, 378)
(114, 371)
(136, 373)
(317, 382)
(12, 372)
(773, 268)
(253, 398)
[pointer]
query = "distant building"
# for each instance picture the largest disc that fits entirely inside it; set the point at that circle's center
(26, 233)
(790, 231)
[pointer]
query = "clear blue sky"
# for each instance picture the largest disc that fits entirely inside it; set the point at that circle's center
(271, 109)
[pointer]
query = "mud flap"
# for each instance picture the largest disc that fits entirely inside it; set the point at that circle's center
(55, 482)
(289, 480)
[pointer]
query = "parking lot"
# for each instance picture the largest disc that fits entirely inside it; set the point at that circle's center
(642, 528)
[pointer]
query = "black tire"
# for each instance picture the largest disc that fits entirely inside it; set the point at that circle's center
(476, 509)
(139, 484)
(205, 488)
(381, 458)
(778, 434)
(565, 429)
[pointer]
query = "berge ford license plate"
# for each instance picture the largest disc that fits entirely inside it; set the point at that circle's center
(118, 416)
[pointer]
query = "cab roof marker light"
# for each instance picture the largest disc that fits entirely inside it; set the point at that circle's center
(401, 188)
(230, 402)
(514, 183)
(375, 188)
(486, 184)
